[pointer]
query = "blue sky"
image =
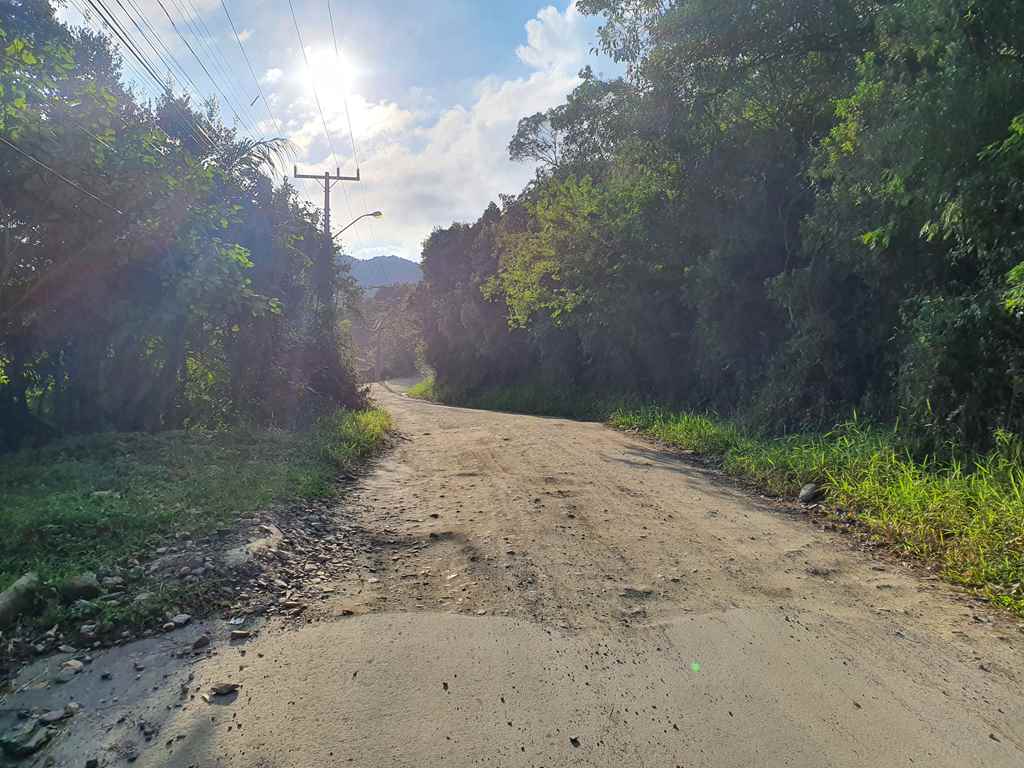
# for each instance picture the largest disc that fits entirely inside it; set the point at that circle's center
(434, 90)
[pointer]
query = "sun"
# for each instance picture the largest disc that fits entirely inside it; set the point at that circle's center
(334, 75)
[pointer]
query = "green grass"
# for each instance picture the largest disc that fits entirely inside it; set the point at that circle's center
(350, 437)
(965, 515)
(423, 390)
(84, 503)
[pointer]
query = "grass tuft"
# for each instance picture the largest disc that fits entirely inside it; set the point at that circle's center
(424, 390)
(350, 437)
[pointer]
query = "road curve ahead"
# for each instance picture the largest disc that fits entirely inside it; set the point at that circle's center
(552, 593)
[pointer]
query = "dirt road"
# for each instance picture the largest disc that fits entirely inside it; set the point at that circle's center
(551, 593)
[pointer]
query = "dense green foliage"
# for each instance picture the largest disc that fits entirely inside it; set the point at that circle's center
(87, 502)
(967, 519)
(165, 281)
(786, 209)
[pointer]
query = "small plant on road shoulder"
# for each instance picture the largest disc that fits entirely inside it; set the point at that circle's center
(424, 390)
(347, 437)
(701, 433)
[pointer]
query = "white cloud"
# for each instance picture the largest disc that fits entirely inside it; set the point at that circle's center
(424, 162)
(554, 40)
(425, 170)
(272, 76)
(371, 122)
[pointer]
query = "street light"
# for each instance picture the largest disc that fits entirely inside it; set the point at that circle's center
(374, 214)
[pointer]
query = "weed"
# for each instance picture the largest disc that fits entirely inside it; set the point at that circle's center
(424, 390)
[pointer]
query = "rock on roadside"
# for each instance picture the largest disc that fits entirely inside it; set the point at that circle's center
(84, 586)
(224, 689)
(18, 598)
(25, 740)
(810, 493)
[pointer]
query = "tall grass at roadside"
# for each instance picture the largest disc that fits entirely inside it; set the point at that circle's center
(423, 390)
(349, 437)
(964, 514)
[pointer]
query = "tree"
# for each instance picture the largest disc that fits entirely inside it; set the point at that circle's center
(787, 209)
(151, 275)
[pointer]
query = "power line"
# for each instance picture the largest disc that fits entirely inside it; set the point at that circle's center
(108, 20)
(114, 26)
(203, 66)
(39, 90)
(309, 71)
(202, 34)
(189, 119)
(50, 133)
(155, 35)
(60, 176)
(355, 159)
(230, 67)
(118, 32)
(316, 97)
(211, 58)
(86, 131)
(252, 72)
(348, 115)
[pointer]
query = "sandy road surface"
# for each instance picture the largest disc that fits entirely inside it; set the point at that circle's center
(550, 593)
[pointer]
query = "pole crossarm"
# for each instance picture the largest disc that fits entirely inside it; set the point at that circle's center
(325, 280)
(328, 181)
(326, 175)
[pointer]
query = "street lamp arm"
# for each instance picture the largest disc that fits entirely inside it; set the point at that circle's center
(373, 214)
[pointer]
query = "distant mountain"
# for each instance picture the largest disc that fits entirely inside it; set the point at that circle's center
(383, 270)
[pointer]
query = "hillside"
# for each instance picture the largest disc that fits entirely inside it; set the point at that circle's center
(383, 270)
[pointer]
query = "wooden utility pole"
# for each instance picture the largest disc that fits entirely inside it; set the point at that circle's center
(328, 181)
(326, 287)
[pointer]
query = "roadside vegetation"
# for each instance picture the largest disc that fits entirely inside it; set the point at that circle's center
(770, 216)
(386, 334)
(84, 504)
(964, 514)
(187, 286)
(424, 389)
(175, 338)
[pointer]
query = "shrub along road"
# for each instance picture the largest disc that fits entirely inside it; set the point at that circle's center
(546, 592)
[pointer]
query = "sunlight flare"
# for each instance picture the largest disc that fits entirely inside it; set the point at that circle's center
(334, 76)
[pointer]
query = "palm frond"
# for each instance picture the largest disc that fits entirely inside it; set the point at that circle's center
(246, 157)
